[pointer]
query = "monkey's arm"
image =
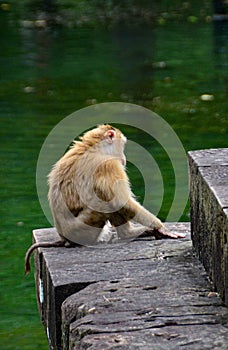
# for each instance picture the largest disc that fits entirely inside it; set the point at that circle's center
(152, 223)
(146, 218)
(142, 215)
(115, 188)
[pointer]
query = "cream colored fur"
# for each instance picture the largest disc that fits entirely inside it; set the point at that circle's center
(89, 186)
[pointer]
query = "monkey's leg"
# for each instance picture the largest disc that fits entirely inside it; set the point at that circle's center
(125, 229)
(83, 229)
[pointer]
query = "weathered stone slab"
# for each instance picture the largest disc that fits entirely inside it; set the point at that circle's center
(64, 271)
(209, 157)
(145, 294)
(209, 219)
(168, 308)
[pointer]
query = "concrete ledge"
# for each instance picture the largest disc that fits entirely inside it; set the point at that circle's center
(209, 213)
(145, 294)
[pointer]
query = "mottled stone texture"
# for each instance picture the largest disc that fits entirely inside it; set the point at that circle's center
(209, 213)
(146, 294)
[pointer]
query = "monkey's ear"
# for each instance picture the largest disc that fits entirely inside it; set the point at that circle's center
(110, 135)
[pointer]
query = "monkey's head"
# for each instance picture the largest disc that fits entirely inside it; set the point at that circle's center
(106, 139)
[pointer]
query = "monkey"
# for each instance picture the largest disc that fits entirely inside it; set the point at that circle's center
(89, 187)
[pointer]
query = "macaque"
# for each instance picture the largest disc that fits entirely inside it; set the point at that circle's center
(89, 187)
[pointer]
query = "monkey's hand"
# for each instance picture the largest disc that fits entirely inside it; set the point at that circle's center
(163, 232)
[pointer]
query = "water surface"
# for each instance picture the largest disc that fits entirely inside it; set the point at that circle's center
(47, 74)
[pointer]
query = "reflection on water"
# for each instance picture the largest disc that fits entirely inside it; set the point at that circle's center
(134, 50)
(221, 52)
(47, 73)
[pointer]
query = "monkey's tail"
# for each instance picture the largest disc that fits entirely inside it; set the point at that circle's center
(29, 252)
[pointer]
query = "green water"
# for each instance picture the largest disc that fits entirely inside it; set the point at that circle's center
(46, 74)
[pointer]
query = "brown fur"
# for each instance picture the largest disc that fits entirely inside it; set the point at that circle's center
(89, 186)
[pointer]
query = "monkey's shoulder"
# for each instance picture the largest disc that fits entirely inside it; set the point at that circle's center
(111, 168)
